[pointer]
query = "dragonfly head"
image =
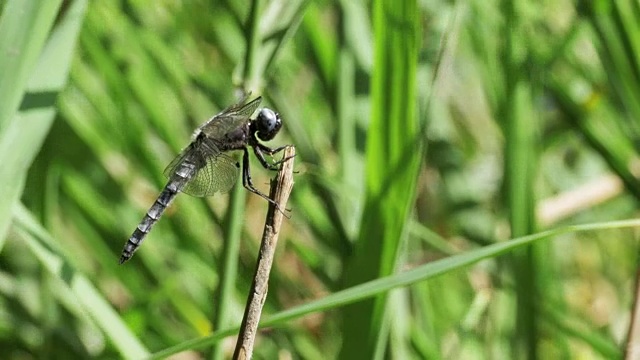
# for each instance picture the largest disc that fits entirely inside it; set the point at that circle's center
(267, 124)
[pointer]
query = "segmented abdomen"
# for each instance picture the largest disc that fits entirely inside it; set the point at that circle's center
(175, 184)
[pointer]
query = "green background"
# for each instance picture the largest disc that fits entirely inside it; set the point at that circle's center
(430, 135)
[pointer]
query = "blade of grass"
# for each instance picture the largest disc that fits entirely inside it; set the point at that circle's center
(229, 264)
(381, 285)
(24, 25)
(252, 80)
(517, 112)
(20, 46)
(323, 48)
(284, 36)
(392, 164)
(344, 101)
(251, 73)
(519, 172)
(45, 248)
(24, 137)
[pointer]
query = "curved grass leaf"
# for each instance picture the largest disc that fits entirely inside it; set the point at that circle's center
(380, 286)
(45, 248)
(24, 26)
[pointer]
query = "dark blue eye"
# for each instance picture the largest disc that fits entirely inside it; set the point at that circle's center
(268, 124)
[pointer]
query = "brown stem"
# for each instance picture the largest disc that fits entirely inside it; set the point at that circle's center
(280, 189)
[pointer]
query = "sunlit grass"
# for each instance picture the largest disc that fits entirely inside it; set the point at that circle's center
(427, 137)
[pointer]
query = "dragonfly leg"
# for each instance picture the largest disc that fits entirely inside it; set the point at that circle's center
(248, 184)
(271, 151)
(260, 148)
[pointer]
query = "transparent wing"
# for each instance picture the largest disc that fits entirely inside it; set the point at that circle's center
(230, 118)
(215, 172)
(218, 174)
(241, 109)
(191, 153)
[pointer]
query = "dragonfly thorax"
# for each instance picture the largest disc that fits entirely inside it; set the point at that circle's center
(267, 124)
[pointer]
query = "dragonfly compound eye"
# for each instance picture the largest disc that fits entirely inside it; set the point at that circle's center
(268, 124)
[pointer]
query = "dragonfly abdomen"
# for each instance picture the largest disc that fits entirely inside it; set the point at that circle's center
(175, 184)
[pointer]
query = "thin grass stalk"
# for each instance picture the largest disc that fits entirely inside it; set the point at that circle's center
(519, 171)
(235, 221)
(345, 114)
(228, 264)
(292, 26)
(252, 76)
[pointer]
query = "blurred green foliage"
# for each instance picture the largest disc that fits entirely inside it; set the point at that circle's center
(428, 133)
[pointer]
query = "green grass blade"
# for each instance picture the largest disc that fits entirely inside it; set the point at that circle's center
(520, 131)
(20, 139)
(24, 25)
(392, 165)
(45, 248)
(421, 273)
(251, 72)
(228, 268)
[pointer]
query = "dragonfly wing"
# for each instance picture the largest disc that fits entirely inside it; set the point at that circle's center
(191, 154)
(230, 119)
(218, 174)
(215, 171)
(241, 109)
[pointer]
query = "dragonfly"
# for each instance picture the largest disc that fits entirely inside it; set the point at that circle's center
(205, 167)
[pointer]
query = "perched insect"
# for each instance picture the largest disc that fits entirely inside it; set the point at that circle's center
(205, 168)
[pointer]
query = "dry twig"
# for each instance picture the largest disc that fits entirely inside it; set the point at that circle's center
(280, 189)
